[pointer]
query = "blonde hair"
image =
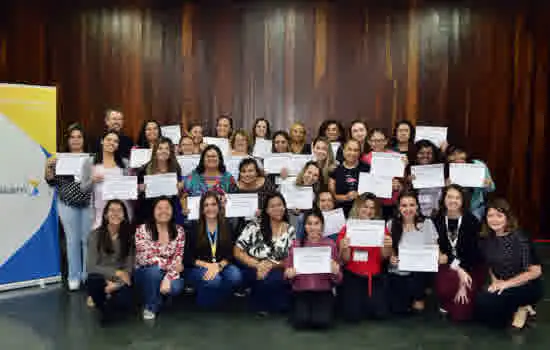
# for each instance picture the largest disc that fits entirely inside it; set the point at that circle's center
(292, 142)
(329, 164)
(360, 201)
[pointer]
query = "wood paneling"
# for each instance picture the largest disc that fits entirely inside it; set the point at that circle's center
(481, 70)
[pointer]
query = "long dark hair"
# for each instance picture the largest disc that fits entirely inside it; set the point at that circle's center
(364, 145)
(324, 126)
(394, 142)
(248, 161)
(224, 236)
(221, 165)
(268, 129)
(125, 239)
(151, 224)
(229, 119)
(283, 134)
(397, 221)
(265, 220)
(98, 159)
(173, 166)
(463, 193)
(70, 129)
(142, 139)
(313, 212)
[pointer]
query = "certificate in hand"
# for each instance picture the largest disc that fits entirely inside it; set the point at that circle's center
(120, 187)
(334, 220)
(419, 258)
(312, 260)
(232, 165)
(241, 205)
(428, 176)
(335, 146)
(262, 148)
(139, 157)
(297, 197)
(436, 134)
(173, 132)
(386, 164)
(467, 174)
(160, 185)
(365, 233)
(274, 163)
(70, 163)
(297, 163)
(193, 204)
(381, 187)
(220, 142)
(188, 163)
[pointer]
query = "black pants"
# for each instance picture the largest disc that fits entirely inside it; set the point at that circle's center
(312, 309)
(117, 302)
(498, 310)
(403, 290)
(356, 303)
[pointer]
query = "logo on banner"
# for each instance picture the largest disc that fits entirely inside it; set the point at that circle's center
(30, 188)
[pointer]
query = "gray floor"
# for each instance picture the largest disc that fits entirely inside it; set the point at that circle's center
(55, 319)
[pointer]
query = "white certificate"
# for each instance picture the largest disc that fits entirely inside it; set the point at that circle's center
(365, 233)
(297, 163)
(220, 142)
(381, 187)
(419, 259)
(467, 174)
(70, 163)
(428, 176)
(120, 187)
(173, 132)
(274, 163)
(161, 185)
(262, 147)
(387, 164)
(334, 220)
(193, 204)
(436, 134)
(312, 260)
(139, 157)
(298, 197)
(335, 147)
(241, 205)
(188, 163)
(232, 165)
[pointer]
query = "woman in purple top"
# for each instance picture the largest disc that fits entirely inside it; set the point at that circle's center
(313, 298)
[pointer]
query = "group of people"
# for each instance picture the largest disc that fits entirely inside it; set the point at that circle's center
(488, 269)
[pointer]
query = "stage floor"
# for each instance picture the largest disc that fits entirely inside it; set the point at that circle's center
(54, 319)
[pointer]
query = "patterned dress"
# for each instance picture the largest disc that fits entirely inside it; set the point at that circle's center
(252, 242)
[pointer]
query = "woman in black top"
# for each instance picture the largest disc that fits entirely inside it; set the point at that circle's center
(515, 272)
(209, 254)
(344, 180)
(460, 277)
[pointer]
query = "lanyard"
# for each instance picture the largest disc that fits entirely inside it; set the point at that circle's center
(213, 239)
(453, 241)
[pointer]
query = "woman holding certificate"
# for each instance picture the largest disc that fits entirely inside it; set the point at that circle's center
(459, 279)
(410, 275)
(209, 253)
(159, 255)
(515, 270)
(363, 293)
(163, 161)
(427, 153)
(298, 143)
(262, 248)
(323, 155)
(149, 135)
(280, 144)
(253, 180)
(111, 261)
(344, 180)
(106, 163)
(73, 205)
(313, 305)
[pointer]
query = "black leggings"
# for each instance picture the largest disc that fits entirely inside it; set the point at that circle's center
(312, 309)
(356, 303)
(403, 290)
(498, 310)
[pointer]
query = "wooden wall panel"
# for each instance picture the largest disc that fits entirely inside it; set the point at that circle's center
(481, 70)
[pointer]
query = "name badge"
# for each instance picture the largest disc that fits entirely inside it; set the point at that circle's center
(361, 256)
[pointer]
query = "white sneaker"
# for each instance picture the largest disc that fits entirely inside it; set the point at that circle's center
(148, 315)
(74, 285)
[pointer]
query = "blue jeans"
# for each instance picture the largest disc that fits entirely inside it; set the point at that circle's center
(211, 293)
(77, 224)
(272, 294)
(148, 280)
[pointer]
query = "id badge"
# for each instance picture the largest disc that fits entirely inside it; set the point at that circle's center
(361, 256)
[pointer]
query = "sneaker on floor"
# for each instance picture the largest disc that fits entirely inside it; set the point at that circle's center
(90, 302)
(148, 315)
(74, 285)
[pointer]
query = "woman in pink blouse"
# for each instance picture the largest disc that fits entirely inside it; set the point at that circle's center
(159, 255)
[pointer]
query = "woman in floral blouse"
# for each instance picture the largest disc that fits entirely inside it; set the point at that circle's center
(159, 255)
(262, 248)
